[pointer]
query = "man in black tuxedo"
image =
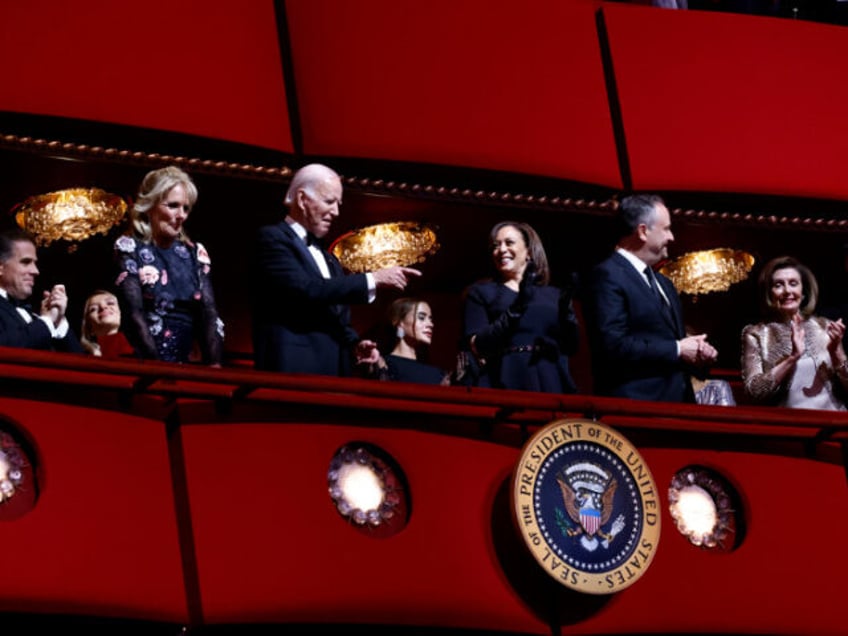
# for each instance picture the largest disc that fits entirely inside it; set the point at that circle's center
(633, 315)
(19, 325)
(301, 296)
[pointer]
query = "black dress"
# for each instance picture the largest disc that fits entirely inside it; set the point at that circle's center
(407, 370)
(528, 351)
(167, 300)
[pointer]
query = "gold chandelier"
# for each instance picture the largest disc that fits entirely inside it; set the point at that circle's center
(709, 270)
(71, 215)
(385, 245)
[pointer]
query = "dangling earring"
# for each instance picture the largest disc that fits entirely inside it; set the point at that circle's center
(400, 332)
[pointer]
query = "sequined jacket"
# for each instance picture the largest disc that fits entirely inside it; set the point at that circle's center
(764, 345)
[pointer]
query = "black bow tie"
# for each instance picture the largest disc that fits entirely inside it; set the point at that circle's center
(21, 303)
(311, 239)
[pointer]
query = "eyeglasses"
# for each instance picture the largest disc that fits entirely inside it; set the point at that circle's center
(175, 205)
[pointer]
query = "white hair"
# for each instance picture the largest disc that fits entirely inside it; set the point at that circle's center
(306, 178)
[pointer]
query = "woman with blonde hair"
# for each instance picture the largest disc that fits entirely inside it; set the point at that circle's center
(163, 282)
(101, 326)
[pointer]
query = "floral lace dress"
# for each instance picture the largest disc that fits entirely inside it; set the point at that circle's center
(167, 300)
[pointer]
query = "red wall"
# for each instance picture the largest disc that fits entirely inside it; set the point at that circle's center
(708, 101)
(200, 68)
(102, 538)
(251, 535)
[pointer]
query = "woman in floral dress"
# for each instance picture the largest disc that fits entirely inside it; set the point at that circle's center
(163, 282)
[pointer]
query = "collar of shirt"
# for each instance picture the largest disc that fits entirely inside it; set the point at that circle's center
(314, 250)
(297, 227)
(24, 313)
(638, 264)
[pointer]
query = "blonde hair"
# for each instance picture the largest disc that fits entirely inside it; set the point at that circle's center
(88, 339)
(154, 187)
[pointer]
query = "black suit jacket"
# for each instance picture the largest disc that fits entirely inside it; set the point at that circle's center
(15, 331)
(633, 339)
(301, 320)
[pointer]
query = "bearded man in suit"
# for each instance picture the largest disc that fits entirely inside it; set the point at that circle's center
(634, 318)
(301, 296)
(47, 329)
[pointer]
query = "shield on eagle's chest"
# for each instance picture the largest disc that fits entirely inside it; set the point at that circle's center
(590, 519)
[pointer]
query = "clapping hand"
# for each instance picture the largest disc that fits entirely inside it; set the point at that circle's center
(835, 332)
(528, 281)
(367, 352)
(696, 350)
(54, 303)
(798, 345)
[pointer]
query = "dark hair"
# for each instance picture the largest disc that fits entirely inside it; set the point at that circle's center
(8, 238)
(397, 311)
(635, 210)
(810, 287)
(400, 308)
(534, 247)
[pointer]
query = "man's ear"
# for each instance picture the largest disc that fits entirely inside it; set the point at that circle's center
(299, 200)
(642, 232)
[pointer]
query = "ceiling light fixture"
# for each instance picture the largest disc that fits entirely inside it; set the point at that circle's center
(708, 271)
(71, 215)
(385, 245)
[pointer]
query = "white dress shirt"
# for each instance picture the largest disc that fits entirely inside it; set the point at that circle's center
(56, 332)
(321, 262)
(640, 266)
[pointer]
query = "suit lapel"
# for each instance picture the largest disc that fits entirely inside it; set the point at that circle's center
(300, 245)
(673, 309)
(10, 309)
(333, 263)
(637, 280)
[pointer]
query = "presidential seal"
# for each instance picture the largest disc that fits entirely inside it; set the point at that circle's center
(587, 506)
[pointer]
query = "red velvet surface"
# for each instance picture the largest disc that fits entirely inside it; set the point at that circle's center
(471, 83)
(211, 69)
(726, 102)
(102, 537)
(783, 579)
(709, 101)
(271, 546)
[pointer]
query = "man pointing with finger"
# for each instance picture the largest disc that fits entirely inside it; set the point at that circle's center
(301, 296)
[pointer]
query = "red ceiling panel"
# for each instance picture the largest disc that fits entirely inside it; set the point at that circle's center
(733, 103)
(474, 83)
(207, 69)
(709, 101)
